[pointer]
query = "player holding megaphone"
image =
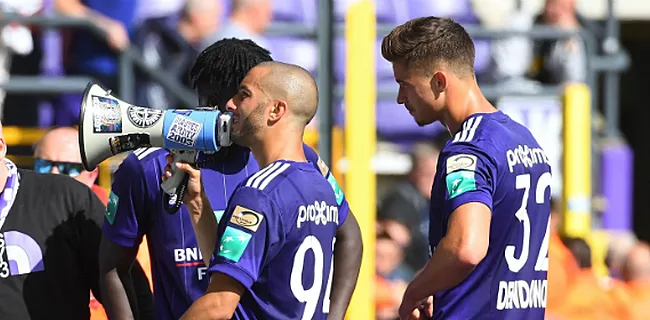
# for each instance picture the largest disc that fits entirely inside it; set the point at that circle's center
(137, 200)
(110, 126)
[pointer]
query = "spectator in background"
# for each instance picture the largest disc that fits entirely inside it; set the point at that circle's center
(200, 19)
(390, 267)
(636, 273)
(50, 238)
(58, 153)
(562, 266)
(408, 205)
(560, 61)
(586, 298)
(247, 20)
(87, 55)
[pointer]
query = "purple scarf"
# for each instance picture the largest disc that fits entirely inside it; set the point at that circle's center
(9, 193)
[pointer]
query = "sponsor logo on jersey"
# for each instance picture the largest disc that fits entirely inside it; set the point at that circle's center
(459, 182)
(192, 258)
(461, 162)
(246, 218)
(233, 243)
(111, 207)
(19, 254)
(318, 213)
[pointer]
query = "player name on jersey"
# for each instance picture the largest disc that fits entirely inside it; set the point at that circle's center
(520, 294)
(526, 156)
(318, 213)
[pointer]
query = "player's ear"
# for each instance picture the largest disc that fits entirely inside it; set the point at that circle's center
(438, 82)
(3, 148)
(278, 110)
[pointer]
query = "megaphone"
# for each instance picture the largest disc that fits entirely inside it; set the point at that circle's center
(109, 126)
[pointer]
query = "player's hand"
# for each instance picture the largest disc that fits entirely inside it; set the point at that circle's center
(192, 196)
(419, 310)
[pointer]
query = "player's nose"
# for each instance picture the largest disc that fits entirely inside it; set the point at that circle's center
(230, 106)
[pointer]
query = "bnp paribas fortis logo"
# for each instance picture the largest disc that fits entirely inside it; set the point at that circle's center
(19, 254)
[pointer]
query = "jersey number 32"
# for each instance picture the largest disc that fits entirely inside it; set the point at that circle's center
(515, 264)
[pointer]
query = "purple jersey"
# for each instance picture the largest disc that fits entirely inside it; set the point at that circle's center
(496, 161)
(277, 239)
(136, 208)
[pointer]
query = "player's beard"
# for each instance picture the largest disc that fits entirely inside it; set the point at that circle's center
(250, 125)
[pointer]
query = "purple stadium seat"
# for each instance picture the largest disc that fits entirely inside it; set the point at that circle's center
(459, 10)
(394, 123)
(617, 185)
(384, 68)
(288, 10)
(300, 51)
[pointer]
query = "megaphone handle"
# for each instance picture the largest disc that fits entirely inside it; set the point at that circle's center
(173, 203)
(171, 185)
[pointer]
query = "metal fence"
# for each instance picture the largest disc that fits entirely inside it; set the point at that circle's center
(610, 63)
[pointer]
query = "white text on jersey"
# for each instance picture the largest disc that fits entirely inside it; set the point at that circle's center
(520, 294)
(526, 156)
(319, 213)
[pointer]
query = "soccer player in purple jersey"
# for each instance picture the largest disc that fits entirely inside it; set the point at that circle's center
(136, 203)
(490, 200)
(274, 247)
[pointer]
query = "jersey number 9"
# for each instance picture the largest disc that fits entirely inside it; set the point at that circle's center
(311, 296)
(515, 264)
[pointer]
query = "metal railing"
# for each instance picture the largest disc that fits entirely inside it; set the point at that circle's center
(611, 63)
(128, 60)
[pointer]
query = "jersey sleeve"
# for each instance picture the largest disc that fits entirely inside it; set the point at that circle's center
(126, 216)
(321, 166)
(469, 176)
(250, 231)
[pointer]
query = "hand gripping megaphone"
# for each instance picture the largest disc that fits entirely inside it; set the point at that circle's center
(109, 126)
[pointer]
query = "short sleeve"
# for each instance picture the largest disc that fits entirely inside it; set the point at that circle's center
(321, 166)
(469, 176)
(250, 231)
(126, 213)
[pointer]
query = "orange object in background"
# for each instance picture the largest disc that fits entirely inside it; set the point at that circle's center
(562, 269)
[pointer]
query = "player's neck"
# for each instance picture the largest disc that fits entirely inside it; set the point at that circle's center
(278, 148)
(467, 103)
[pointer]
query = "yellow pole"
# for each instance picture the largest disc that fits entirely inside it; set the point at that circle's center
(360, 143)
(576, 163)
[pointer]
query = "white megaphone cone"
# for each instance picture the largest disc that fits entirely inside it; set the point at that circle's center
(109, 126)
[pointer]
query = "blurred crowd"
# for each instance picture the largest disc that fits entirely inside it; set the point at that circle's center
(170, 33)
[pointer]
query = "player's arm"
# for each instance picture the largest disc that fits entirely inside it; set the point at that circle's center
(348, 247)
(245, 243)
(123, 229)
(348, 250)
(468, 198)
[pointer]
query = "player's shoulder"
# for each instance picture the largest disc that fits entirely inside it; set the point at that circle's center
(144, 160)
(281, 174)
(487, 134)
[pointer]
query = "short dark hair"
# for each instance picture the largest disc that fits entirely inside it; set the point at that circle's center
(580, 250)
(421, 42)
(223, 65)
